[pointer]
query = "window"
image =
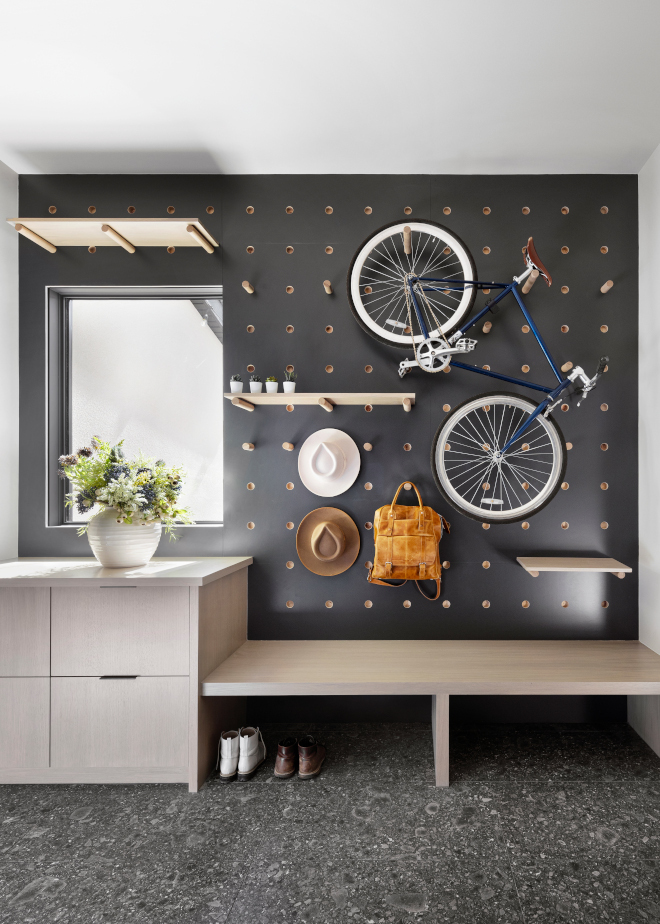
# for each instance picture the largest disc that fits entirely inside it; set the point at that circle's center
(148, 370)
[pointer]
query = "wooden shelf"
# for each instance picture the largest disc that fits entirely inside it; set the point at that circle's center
(141, 232)
(404, 399)
(535, 565)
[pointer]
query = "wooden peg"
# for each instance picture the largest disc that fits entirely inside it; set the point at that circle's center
(407, 404)
(327, 286)
(118, 238)
(248, 447)
(288, 446)
(407, 240)
(407, 486)
(197, 235)
(567, 367)
(487, 327)
(36, 238)
(605, 288)
(620, 574)
(534, 573)
(529, 282)
(249, 288)
(239, 402)
(325, 404)
(367, 447)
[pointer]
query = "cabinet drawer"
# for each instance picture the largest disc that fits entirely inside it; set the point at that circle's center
(119, 723)
(120, 630)
(24, 721)
(24, 632)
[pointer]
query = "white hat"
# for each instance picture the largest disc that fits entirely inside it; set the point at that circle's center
(328, 462)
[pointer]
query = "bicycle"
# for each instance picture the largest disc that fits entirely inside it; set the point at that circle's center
(498, 457)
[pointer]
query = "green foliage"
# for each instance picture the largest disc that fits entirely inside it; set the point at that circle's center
(255, 378)
(290, 376)
(235, 378)
(271, 378)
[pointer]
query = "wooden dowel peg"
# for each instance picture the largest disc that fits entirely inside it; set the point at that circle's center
(534, 573)
(407, 404)
(36, 238)
(567, 367)
(249, 288)
(327, 286)
(605, 288)
(288, 446)
(197, 235)
(325, 404)
(407, 240)
(407, 486)
(118, 238)
(248, 447)
(239, 402)
(487, 327)
(620, 574)
(529, 282)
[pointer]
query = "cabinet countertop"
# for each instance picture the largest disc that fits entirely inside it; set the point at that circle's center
(170, 572)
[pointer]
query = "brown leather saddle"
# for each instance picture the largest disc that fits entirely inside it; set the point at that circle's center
(530, 254)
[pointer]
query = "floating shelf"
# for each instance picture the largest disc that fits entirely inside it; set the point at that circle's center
(535, 565)
(326, 399)
(138, 232)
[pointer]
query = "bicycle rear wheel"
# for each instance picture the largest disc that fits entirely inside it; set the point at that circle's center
(512, 488)
(376, 281)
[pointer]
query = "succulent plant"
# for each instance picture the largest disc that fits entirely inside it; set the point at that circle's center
(235, 378)
(290, 376)
(255, 378)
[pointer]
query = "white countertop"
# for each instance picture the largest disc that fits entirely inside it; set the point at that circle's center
(172, 572)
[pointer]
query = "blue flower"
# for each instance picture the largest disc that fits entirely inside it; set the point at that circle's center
(113, 472)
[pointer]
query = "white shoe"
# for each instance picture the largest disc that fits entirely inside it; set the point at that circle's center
(252, 752)
(228, 747)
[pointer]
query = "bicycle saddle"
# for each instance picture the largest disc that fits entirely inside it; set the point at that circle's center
(530, 254)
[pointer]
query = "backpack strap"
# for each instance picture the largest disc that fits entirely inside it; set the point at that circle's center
(437, 590)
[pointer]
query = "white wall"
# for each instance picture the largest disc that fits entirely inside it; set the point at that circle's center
(649, 410)
(8, 364)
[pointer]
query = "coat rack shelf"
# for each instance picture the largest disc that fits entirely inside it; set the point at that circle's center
(535, 565)
(325, 399)
(129, 233)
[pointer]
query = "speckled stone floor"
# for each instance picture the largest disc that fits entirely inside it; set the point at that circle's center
(540, 824)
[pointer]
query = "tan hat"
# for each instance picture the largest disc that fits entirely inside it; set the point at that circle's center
(327, 541)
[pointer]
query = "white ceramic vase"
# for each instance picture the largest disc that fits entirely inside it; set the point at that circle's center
(122, 545)
(236, 387)
(289, 387)
(255, 387)
(271, 387)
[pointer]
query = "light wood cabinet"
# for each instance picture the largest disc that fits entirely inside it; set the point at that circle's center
(24, 632)
(140, 722)
(101, 669)
(24, 722)
(120, 630)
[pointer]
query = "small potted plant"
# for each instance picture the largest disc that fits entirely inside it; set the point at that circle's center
(236, 384)
(255, 383)
(271, 384)
(289, 383)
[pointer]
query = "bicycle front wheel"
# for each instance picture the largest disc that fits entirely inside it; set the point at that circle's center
(377, 287)
(503, 490)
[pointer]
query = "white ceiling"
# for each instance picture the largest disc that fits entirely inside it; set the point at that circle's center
(339, 86)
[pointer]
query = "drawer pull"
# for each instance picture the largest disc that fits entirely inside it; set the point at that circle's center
(118, 677)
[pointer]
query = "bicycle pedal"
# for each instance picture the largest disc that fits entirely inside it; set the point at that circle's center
(466, 345)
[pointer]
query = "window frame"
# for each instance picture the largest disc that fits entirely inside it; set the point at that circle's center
(58, 378)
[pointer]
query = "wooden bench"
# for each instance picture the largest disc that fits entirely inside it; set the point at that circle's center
(442, 668)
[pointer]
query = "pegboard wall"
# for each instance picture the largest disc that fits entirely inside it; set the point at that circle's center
(286, 235)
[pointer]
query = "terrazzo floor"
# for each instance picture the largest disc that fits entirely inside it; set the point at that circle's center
(540, 824)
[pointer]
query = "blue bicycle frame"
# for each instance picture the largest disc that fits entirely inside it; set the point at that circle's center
(459, 285)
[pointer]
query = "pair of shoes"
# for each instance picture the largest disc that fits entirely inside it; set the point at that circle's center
(240, 753)
(305, 756)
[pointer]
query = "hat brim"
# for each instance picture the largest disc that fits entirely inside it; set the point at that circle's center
(304, 541)
(329, 487)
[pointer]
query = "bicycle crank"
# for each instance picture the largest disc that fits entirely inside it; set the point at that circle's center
(434, 355)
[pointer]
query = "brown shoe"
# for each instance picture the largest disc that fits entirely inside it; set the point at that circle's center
(310, 757)
(286, 762)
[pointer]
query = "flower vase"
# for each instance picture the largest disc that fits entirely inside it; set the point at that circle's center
(122, 545)
(289, 387)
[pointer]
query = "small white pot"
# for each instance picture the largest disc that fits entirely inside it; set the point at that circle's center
(289, 387)
(271, 387)
(255, 387)
(236, 387)
(122, 545)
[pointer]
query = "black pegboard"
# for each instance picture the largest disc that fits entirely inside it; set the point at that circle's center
(309, 230)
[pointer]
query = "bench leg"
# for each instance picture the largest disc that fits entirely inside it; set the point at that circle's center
(440, 728)
(644, 716)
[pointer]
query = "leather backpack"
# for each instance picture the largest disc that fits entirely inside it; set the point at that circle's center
(406, 540)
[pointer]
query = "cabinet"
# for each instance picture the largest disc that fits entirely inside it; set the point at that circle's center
(100, 669)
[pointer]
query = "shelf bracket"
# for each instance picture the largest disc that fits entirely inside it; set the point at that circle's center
(239, 402)
(36, 238)
(326, 404)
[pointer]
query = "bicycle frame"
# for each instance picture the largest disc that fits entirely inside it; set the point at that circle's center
(459, 285)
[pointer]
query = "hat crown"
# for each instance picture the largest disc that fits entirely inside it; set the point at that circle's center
(328, 541)
(328, 460)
